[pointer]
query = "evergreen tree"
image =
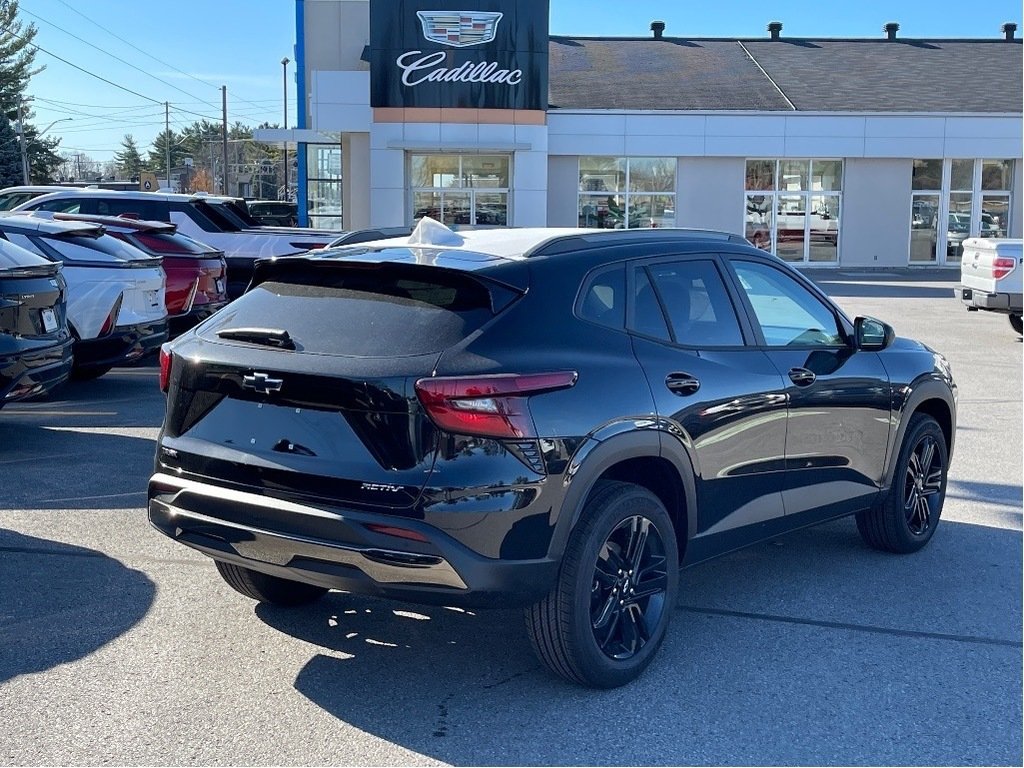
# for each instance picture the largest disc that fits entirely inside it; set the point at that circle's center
(157, 161)
(10, 155)
(17, 66)
(128, 160)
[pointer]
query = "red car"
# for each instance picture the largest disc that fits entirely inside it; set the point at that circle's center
(196, 273)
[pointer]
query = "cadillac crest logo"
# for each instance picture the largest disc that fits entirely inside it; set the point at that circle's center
(459, 29)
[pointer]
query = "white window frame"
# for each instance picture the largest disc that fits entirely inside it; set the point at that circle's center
(774, 193)
(942, 235)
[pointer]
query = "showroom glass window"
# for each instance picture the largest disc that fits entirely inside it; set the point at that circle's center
(972, 197)
(627, 192)
(926, 184)
(460, 189)
(323, 190)
(792, 208)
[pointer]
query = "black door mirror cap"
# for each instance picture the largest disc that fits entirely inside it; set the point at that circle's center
(872, 334)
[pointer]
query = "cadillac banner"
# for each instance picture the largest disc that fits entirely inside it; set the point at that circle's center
(485, 54)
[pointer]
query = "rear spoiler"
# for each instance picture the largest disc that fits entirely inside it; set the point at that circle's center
(124, 220)
(512, 284)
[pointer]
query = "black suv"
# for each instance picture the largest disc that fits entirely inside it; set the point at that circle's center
(557, 419)
(35, 343)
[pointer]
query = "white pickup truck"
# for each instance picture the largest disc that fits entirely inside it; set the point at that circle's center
(991, 277)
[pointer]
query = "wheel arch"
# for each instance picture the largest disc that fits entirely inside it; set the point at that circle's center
(635, 457)
(934, 398)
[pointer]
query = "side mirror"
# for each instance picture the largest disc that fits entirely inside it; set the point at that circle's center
(871, 334)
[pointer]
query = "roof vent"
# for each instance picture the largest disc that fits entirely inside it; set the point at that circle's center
(775, 29)
(1008, 29)
(658, 28)
(891, 28)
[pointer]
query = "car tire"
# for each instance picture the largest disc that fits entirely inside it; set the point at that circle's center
(1018, 325)
(266, 588)
(578, 631)
(906, 518)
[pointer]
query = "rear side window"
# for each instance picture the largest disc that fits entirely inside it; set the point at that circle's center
(697, 303)
(150, 210)
(63, 205)
(361, 313)
(603, 299)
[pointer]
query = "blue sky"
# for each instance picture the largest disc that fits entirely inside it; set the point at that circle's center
(240, 43)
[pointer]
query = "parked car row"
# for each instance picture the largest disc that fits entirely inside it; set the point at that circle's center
(140, 267)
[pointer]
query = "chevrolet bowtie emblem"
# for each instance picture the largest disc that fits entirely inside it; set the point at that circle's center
(262, 383)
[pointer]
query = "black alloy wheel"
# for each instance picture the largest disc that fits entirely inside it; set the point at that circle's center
(905, 519)
(922, 486)
(628, 594)
(608, 612)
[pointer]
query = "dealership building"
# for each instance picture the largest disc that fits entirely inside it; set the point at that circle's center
(833, 151)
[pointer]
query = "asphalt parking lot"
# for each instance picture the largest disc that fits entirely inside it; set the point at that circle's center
(118, 646)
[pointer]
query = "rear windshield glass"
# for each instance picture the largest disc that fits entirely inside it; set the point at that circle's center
(15, 256)
(104, 248)
(365, 314)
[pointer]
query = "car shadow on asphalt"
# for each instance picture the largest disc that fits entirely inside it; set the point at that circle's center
(465, 688)
(59, 603)
(67, 467)
(86, 447)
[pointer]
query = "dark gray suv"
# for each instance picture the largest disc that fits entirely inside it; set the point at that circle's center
(556, 419)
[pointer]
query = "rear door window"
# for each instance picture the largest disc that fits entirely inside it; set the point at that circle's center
(694, 296)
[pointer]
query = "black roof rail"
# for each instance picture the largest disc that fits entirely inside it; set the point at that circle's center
(578, 240)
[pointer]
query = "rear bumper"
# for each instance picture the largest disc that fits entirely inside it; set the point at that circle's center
(1008, 303)
(333, 548)
(178, 324)
(34, 372)
(125, 344)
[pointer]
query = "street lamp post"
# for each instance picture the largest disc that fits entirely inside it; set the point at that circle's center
(284, 72)
(26, 165)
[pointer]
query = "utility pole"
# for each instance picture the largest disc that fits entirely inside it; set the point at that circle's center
(167, 140)
(224, 135)
(284, 65)
(23, 142)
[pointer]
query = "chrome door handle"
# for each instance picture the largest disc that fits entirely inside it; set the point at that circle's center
(802, 377)
(681, 384)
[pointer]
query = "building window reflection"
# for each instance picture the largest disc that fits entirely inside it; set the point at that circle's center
(792, 208)
(323, 186)
(627, 192)
(972, 198)
(460, 189)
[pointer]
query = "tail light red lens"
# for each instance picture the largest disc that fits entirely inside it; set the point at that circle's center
(111, 321)
(489, 406)
(165, 368)
(1002, 266)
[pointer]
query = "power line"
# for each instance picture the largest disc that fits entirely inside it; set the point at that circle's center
(117, 58)
(93, 106)
(82, 69)
(147, 53)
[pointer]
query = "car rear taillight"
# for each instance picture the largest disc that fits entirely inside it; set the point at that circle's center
(165, 368)
(490, 406)
(111, 321)
(1002, 266)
